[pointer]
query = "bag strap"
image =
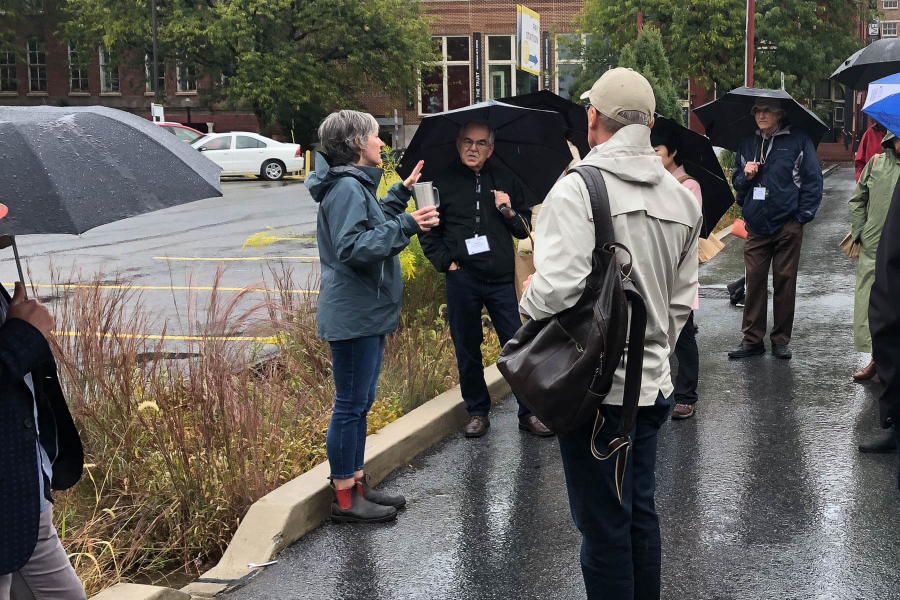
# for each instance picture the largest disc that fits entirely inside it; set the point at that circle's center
(604, 233)
(684, 178)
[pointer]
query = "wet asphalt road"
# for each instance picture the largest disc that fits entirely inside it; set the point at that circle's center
(762, 495)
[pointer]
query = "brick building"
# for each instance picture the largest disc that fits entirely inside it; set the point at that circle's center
(477, 42)
(41, 69)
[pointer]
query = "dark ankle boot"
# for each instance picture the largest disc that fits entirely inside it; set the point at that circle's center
(349, 506)
(376, 497)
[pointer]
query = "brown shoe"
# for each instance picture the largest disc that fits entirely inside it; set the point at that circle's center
(682, 411)
(867, 373)
(534, 426)
(477, 427)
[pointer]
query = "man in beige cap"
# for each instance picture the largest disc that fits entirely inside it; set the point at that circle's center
(778, 183)
(659, 220)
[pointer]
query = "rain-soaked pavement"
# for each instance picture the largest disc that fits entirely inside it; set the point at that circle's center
(762, 495)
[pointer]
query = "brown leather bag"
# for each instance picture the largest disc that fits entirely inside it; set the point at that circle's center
(562, 368)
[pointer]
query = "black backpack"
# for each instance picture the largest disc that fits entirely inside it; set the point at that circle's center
(562, 368)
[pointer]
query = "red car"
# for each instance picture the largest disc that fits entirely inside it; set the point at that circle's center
(182, 132)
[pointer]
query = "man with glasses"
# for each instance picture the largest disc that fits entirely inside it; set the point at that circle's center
(778, 182)
(481, 209)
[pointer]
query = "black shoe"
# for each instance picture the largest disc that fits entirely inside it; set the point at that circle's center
(782, 351)
(349, 506)
(745, 350)
(884, 445)
(376, 497)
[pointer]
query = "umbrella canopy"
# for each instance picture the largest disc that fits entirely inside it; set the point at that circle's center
(877, 60)
(728, 120)
(883, 102)
(68, 170)
(700, 162)
(530, 143)
(573, 114)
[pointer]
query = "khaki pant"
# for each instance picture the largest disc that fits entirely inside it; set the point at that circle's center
(781, 250)
(48, 575)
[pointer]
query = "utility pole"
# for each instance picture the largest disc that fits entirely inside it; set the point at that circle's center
(751, 32)
(155, 71)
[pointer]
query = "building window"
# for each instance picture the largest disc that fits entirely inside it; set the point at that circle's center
(889, 29)
(446, 85)
(187, 78)
(79, 72)
(8, 80)
(503, 77)
(109, 73)
(891, 5)
(569, 58)
(148, 69)
(37, 67)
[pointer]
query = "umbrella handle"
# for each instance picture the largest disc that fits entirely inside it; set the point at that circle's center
(18, 262)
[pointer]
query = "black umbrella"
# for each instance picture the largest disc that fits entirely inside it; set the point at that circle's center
(728, 120)
(879, 59)
(530, 143)
(573, 114)
(68, 170)
(700, 162)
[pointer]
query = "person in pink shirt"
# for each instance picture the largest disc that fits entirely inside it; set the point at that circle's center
(667, 147)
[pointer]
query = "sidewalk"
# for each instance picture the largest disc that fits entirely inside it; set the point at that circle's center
(762, 495)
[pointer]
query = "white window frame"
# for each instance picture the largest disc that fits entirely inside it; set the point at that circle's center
(83, 75)
(108, 75)
(557, 61)
(186, 87)
(9, 66)
(443, 64)
(148, 70)
(503, 63)
(883, 28)
(31, 55)
(890, 4)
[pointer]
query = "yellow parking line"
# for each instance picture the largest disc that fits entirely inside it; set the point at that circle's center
(191, 338)
(162, 287)
(210, 259)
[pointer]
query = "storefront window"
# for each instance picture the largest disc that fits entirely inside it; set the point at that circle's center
(447, 85)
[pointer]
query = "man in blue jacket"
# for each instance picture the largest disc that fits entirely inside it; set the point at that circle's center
(778, 182)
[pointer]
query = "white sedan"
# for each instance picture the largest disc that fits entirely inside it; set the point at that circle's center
(244, 153)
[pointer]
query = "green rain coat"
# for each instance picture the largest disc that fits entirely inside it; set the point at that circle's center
(868, 209)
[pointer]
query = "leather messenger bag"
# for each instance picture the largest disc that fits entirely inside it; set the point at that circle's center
(562, 368)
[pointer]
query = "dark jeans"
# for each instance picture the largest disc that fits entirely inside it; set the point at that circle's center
(466, 296)
(781, 250)
(356, 365)
(620, 546)
(688, 355)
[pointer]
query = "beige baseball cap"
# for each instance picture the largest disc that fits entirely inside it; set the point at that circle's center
(621, 89)
(773, 104)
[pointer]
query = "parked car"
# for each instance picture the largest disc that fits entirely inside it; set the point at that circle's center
(244, 153)
(182, 132)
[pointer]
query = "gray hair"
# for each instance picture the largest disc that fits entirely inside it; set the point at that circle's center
(345, 134)
(634, 117)
(478, 123)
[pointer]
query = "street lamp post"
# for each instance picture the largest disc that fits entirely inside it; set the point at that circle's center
(187, 105)
(155, 88)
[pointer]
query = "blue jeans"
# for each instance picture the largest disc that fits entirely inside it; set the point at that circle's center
(356, 365)
(620, 546)
(466, 296)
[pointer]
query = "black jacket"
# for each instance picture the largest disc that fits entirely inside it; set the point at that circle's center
(446, 243)
(24, 350)
(884, 314)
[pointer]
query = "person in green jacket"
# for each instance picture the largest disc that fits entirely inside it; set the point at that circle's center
(868, 209)
(359, 239)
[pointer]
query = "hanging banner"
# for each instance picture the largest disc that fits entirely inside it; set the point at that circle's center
(528, 39)
(476, 62)
(548, 76)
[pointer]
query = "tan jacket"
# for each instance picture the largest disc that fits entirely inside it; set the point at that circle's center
(656, 217)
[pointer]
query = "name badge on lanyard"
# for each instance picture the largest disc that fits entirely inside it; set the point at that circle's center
(759, 193)
(477, 245)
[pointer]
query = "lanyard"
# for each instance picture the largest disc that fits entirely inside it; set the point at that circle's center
(477, 203)
(764, 155)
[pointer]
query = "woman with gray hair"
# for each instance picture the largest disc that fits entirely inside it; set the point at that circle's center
(359, 300)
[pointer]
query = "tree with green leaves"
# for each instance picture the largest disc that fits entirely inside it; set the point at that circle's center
(287, 60)
(648, 57)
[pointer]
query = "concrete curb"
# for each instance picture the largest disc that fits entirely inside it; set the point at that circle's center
(286, 514)
(829, 170)
(133, 591)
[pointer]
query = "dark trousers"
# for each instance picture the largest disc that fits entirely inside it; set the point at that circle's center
(620, 546)
(781, 250)
(356, 365)
(466, 296)
(688, 355)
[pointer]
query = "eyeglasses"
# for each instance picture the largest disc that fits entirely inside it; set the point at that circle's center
(480, 144)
